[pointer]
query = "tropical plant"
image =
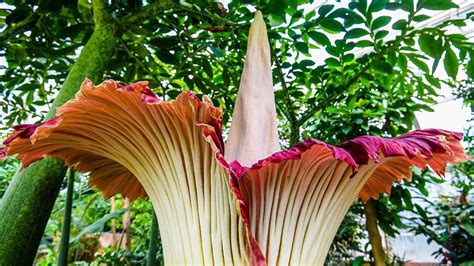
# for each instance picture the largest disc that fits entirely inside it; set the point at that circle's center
(174, 153)
(201, 47)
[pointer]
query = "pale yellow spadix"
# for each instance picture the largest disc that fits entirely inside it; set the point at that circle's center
(253, 134)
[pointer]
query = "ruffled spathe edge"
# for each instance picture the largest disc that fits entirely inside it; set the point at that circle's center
(432, 147)
(42, 130)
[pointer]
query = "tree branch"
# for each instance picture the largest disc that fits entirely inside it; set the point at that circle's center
(101, 14)
(209, 15)
(149, 11)
(10, 31)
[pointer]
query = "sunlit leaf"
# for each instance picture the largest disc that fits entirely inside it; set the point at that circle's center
(356, 33)
(451, 63)
(319, 37)
(378, 5)
(331, 25)
(302, 47)
(437, 4)
(380, 22)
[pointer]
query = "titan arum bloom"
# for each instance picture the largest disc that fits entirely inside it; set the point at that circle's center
(246, 204)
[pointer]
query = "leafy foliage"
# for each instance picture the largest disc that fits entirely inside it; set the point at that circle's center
(450, 223)
(7, 170)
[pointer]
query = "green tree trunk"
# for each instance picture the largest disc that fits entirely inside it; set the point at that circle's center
(374, 234)
(66, 229)
(26, 206)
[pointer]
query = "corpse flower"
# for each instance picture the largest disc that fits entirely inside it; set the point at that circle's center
(245, 203)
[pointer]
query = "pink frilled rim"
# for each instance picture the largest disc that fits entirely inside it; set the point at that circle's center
(394, 156)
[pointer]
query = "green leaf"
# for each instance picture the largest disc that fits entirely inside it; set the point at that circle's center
(380, 22)
(130, 73)
(332, 62)
(421, 211)
(331, 25)
(302, 47)
(399, 25)
(319, 37)
(207, 68)
(174, 93)
(347, 14)
(306, 63)
(356, 33)
(451, 63)
(377, 5)
(360, 5)
(381, 34)
(27, 87)
(426, 43)
(29, 98)
(358, 261)
(383, 67)
(51, 6)
(437, 4)
(420, 18)
(402, 62)
(433, 81)
(165, 42)
(98, 225)
(324, 9)
(167, 57)
(348, 58)
(420, 64)
(225, 77)
(189, 82)
(408, 6)
(346, 129)
(468, 227)
(421, 187)
(364, 43)
(333, 50)
(393, 6)
(197, 80)
(470, 68)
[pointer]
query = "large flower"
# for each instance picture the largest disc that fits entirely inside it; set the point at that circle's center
(253, 205)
